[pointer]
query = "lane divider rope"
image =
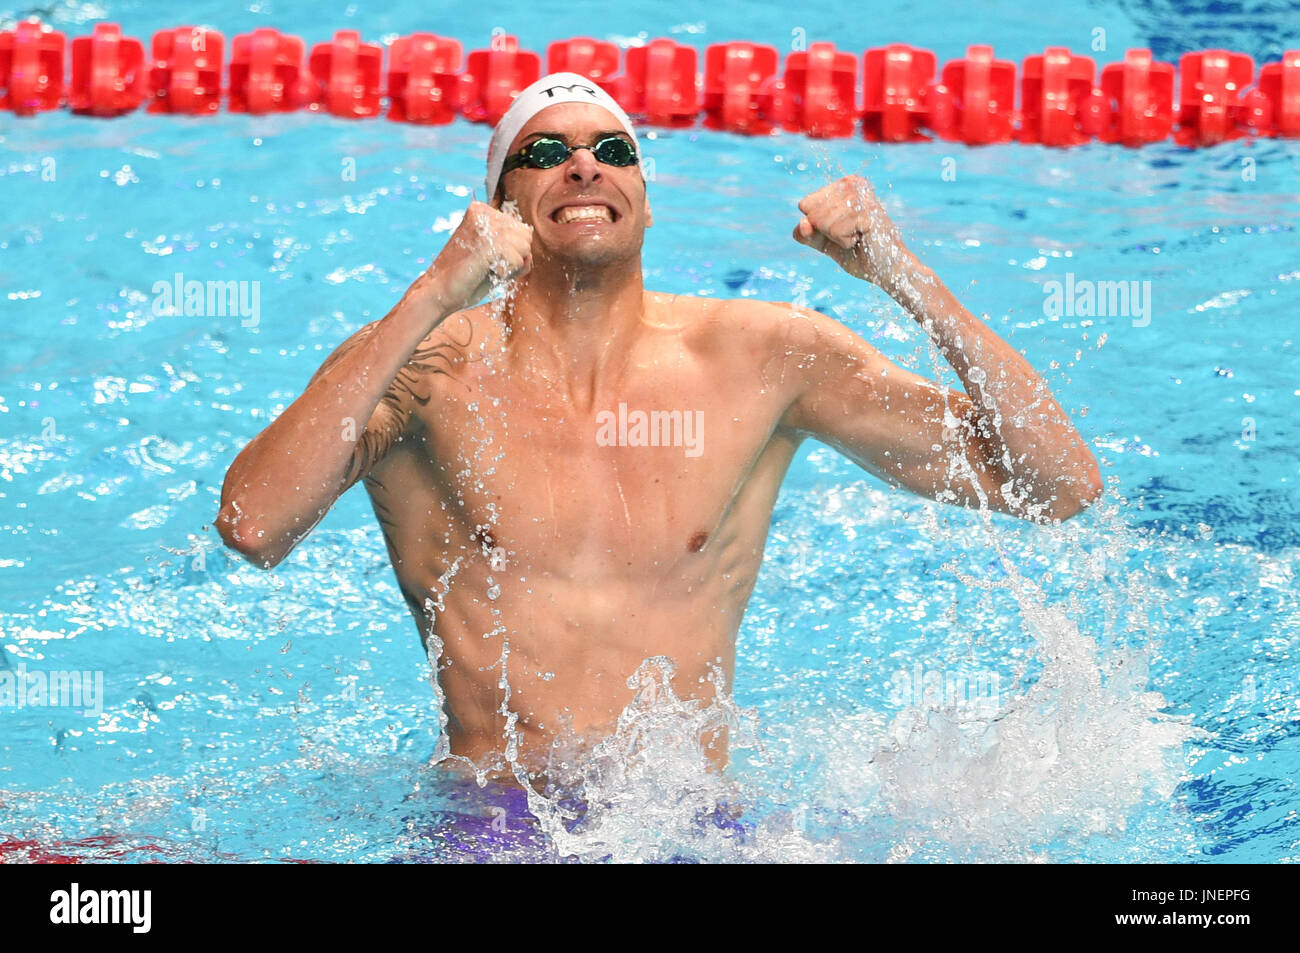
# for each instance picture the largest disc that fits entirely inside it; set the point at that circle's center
(893, 93)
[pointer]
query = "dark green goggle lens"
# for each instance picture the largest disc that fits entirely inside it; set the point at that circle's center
(548, 153)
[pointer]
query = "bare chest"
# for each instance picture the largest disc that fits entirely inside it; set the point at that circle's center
(643, 475)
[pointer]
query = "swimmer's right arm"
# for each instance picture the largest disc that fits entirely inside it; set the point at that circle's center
(286, 479)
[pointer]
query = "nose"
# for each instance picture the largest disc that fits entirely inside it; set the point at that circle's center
(582, 166)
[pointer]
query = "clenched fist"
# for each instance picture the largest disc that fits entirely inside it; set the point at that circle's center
(846, 221)
(489, 245)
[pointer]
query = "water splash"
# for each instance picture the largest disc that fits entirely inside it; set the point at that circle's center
(648, 792)
(1074, 754)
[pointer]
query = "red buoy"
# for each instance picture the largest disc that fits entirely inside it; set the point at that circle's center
(423, 79)
(1054, 95)
(109, 76)
(1140, 94)
(266, 73)
(737, 77)
(659, 83)
(31, 68)
(595, 59)
(820, 92)
(185, 74)
(1209, 98)
(981, 94)
(345, 75)
(1279, 83)
(896, 80)
(494, 77)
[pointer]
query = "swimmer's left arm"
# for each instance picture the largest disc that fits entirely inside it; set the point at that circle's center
(1024, 454)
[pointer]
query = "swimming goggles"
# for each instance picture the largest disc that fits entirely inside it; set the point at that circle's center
(547, 153)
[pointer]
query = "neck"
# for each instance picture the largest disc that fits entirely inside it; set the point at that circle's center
(575, 324)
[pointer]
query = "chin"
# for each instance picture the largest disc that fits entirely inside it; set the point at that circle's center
(593, 252)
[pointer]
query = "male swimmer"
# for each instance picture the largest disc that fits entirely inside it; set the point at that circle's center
(592, 555)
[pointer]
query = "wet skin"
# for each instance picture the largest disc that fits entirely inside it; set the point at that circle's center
(506, 518)
(602, 555)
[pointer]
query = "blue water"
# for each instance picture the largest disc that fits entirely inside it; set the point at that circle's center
(1145, 653)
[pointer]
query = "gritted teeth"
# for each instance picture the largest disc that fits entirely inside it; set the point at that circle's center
(584, 213)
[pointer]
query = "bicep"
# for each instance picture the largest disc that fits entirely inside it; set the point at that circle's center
(387, 422)
(384, 429)
(894, 423)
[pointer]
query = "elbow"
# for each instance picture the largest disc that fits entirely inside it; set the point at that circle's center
(240, 533)
(1084, 493)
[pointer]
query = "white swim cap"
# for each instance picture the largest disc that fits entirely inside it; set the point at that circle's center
(550, 90)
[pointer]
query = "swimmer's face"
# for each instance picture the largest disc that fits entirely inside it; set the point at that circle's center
(541, 194)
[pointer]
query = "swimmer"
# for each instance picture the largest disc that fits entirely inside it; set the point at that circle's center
(638, 439)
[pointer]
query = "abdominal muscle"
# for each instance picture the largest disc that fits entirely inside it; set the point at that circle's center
(536, 632)
(572, 649)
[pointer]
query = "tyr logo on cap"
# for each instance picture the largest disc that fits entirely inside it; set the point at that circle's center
(550, 90)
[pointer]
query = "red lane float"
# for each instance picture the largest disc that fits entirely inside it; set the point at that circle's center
(423, 79)
(346, 75)
(494, 77)
(1140, 94)
(896, 82)
(109, 76)
(744, 88)
(186, 72)
(738, 79)
(659, 83)
(1209, 96)
(31, 68)
(266, 73)
(974, 102)
(819, 93)
(596, 59)
(94, 849)
(1057, 106)
(1279, 85)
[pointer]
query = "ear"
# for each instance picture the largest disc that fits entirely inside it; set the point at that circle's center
(649, 216)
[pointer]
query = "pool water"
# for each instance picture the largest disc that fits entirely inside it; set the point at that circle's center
(1143, 657)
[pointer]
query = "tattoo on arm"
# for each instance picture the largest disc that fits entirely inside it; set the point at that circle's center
(413, 383)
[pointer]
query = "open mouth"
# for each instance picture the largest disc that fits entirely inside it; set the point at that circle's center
(597, 214)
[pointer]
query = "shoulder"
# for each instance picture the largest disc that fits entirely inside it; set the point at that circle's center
(749, 326)
(711, 322)
(795, 330)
